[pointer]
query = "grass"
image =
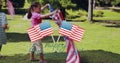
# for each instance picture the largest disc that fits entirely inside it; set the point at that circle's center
(108, 15)
(100, 43)
(82, 15)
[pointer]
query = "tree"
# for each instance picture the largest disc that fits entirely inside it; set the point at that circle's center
(115, 2)
(30, 1)
(90, 11)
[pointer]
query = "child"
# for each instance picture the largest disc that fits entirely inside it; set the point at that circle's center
(34, 13)
(3, 26)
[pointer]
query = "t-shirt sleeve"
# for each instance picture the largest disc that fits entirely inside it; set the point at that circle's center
(37, 16)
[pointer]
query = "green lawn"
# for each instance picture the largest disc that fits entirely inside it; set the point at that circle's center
(100, 43)
(82, 15)
(108, 15)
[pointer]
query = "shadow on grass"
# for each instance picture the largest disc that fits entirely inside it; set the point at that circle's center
(108, 21)
(90, 56)
(99, 56)
(113, 25)
(22, 58)
(19, 37)
(82, 20)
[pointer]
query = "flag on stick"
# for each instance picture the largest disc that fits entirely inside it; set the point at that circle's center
(73, 55)
(40, 31)
(72, 31)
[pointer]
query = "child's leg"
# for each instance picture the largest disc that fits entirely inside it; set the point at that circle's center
(32, 56)
(42, 57)
(32, 51)
(40, 50)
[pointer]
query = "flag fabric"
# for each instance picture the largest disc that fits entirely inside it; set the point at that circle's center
(57, 17)
(10, 8)
(72, 31)
(73, 55)
(40, 31)
(51, 8)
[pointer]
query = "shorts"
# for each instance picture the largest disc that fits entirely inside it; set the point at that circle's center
(37, 46)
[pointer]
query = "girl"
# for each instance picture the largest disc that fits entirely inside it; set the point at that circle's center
(34, 13)
(3, 26)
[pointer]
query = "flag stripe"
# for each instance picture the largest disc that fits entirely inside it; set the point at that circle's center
(64, 32)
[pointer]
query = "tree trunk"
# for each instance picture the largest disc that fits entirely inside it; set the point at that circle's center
(90, 11)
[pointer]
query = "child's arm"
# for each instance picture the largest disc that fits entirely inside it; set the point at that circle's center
(49, 14)
(42, 8)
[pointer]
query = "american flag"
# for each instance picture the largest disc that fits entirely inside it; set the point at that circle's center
(73, 55)
(72, 31)
(40, 31)
(57, 17)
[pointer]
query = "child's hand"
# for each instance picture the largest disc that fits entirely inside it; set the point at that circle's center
(47, 5)
(56, 11)
(5, 27)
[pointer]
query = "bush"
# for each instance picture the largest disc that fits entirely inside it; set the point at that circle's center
(73, 14)
(81, 13)
(98, 14)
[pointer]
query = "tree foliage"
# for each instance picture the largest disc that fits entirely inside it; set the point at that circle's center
(18, 3)
(115, 2)
(108, 2)
(56, 3)
(67, 3)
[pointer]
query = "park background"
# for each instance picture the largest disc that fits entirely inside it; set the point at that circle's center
(100, 43)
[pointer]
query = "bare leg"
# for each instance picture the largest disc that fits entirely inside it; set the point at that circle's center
(32, 55)
(41, 57)
(42, 60)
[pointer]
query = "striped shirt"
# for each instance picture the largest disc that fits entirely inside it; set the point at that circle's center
(3, 20)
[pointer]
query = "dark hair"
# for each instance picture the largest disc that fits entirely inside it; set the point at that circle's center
(34, 4)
